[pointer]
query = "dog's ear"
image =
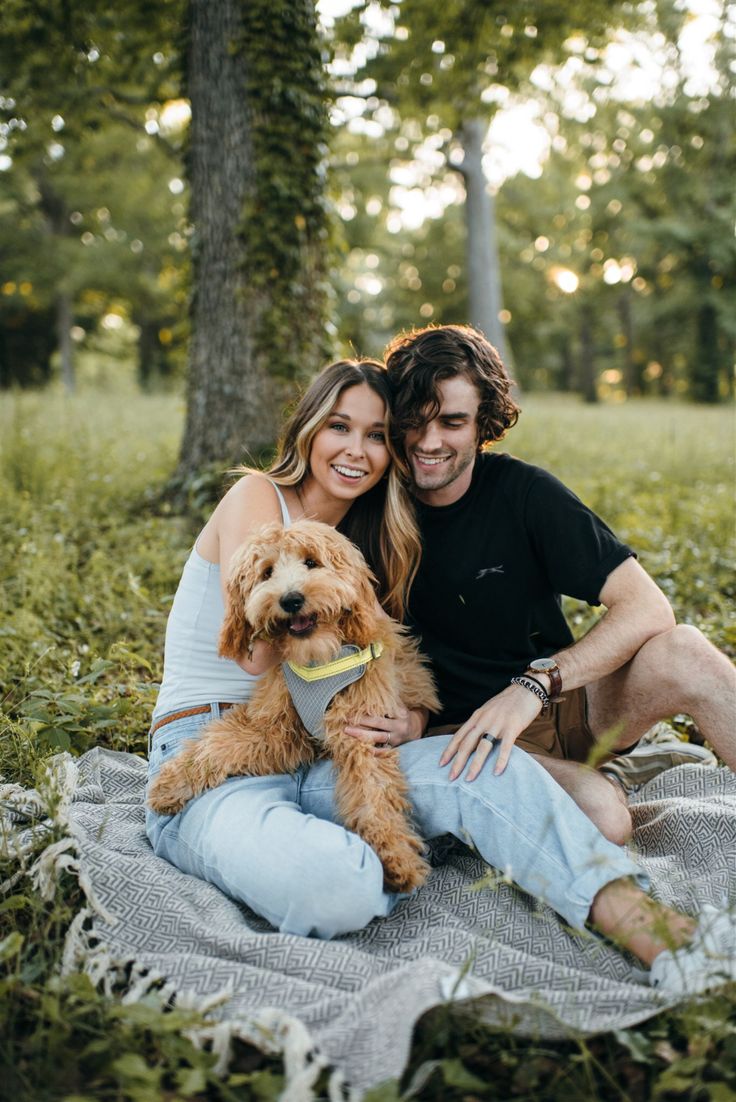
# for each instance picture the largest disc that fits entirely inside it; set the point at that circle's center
(236, 633)
(364, 613)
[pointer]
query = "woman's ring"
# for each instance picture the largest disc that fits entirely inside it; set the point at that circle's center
(388, 739)
(491, 738)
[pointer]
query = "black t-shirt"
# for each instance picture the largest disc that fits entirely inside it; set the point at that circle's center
(486, 600)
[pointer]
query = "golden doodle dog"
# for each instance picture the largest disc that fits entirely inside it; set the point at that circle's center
(307, 590)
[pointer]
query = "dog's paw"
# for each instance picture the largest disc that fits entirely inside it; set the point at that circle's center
(169, 793)
(404, 871)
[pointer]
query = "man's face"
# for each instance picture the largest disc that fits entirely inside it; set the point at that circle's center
(442, 451)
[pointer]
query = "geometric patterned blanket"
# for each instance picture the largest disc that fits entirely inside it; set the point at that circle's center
(351, 1003)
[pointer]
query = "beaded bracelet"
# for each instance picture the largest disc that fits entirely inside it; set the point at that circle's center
(533, 686)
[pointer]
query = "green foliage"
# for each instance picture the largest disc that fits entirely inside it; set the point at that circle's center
(687, 1054)
(92, 557)
(83, 60)
(629, 187)
(61, 1038)
(480, 46)
(86, 211)
(88, 568)
(639, 188)
(99, 224)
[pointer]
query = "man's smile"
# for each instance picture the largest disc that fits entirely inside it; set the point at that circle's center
(430, 460)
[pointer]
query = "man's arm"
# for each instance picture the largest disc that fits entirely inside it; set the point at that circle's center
(636, 610)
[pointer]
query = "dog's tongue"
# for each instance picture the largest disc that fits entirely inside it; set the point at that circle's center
(298, 624)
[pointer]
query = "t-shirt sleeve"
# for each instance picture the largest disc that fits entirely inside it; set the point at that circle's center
(576, 549)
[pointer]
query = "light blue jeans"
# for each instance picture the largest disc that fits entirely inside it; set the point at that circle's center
(276, 843)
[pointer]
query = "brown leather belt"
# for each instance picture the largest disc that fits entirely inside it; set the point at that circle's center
(187, 712)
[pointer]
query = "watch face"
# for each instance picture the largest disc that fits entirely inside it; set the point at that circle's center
(543, 664)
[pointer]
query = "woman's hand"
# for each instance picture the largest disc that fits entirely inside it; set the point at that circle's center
(385, 733)
(502, 718)
(261, 657)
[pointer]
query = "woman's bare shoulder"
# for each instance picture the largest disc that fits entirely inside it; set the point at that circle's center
(252, 488)
(251, 500)
(249, 503)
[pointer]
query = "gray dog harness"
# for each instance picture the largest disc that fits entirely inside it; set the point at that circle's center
(313, 688)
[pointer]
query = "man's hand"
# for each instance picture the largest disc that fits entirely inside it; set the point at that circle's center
(503, 717)
(388, 732)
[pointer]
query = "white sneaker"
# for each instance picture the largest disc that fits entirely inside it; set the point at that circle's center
(708, 961)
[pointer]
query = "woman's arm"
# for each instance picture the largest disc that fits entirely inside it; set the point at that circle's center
(247, 506)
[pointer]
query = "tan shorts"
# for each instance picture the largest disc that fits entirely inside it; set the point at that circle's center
(563, 733)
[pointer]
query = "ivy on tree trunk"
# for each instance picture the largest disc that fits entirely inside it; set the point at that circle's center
(254, 79)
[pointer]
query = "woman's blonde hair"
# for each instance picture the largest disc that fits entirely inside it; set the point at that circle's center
(380, 522)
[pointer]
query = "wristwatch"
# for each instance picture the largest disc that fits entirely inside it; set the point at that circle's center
(550, 667)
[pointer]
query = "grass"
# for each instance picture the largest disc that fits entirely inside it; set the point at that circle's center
(91, 559)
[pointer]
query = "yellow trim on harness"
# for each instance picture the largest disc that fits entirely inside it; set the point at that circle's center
(340, 665)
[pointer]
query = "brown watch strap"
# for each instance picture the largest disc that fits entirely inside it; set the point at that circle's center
(555, 680)
(555, 683)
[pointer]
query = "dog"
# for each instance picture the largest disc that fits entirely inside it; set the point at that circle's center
(307, 590)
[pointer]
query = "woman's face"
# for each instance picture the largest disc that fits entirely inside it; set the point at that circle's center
(349, 453)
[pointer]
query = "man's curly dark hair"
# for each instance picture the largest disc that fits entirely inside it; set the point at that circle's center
(420, 359)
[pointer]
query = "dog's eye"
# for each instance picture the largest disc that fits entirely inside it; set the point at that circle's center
(266, 573)
(311, 564)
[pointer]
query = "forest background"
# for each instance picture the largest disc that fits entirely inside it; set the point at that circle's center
(255, 189)
(202, 202)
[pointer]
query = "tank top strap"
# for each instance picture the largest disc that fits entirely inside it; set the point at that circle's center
(286, 519)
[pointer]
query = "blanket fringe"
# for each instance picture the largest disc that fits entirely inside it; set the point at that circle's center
(27, 817)
(272, 1030)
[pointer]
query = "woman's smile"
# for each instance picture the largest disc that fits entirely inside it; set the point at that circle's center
(351, 473)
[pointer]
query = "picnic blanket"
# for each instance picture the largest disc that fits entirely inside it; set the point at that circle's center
(351, 1003)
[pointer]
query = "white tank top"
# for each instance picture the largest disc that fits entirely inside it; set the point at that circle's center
(194, 673)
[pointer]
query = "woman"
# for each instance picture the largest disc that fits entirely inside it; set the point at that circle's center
(274, 842)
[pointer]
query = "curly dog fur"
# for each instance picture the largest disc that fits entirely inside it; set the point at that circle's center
(307, 590)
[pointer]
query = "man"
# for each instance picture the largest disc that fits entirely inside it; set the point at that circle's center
(502, 540)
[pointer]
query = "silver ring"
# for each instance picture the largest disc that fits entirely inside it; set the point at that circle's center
(493, 739)
(388, 739)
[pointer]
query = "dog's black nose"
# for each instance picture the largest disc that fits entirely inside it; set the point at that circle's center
(292, 602)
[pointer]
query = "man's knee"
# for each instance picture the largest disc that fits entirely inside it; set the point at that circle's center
(602, 800)
(613, 817)
(685, 660)
(681, 646)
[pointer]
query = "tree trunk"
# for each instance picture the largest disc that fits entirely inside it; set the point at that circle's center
(567, 373)
(632, 370)
(153, 360)
(64, 318)
(146, 350)
(588, 387)
(705, 367)
(56, 218)
(484, 268)
(662, 386)
(230, 403)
